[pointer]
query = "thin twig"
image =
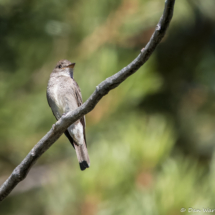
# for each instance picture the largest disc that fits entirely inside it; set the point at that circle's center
(20, 172)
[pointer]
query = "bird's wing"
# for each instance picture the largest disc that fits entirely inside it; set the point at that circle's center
(79, 101)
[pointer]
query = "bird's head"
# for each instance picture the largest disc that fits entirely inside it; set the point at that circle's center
(65, 67)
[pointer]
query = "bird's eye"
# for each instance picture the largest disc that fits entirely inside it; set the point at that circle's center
(60, 66)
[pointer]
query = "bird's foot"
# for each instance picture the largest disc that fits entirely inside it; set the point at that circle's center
(53, 127)
(63, 114)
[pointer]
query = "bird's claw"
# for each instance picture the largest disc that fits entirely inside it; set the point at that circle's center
(63, 114)
(53, 127)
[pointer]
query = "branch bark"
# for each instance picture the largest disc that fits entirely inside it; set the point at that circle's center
(20, 172)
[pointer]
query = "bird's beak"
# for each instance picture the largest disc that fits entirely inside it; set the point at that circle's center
(71, 65)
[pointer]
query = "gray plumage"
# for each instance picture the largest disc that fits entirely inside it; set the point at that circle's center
(64, 95)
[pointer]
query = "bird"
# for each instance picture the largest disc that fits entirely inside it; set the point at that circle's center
(64, 95)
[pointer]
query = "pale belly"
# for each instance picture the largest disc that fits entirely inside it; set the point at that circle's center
(63, 99)
(57, 100)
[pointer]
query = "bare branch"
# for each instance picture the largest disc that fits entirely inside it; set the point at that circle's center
(102, 89)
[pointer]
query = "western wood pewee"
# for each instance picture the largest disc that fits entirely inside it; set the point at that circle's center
(64, 95)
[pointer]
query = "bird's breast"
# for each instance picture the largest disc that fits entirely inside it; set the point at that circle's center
(62, 94)
(58, 98)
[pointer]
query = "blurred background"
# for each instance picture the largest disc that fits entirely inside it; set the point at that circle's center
(151, 140)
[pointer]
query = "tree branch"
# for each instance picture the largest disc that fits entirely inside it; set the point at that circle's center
(20, 172)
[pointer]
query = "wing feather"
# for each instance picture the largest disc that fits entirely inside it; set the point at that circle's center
(80, 102)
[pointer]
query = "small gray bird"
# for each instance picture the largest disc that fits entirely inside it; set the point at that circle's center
(64, 95)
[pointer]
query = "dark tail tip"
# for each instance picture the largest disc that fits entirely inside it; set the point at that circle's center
(84, 165)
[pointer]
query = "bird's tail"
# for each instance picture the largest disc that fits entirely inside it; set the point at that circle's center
(82, 155)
